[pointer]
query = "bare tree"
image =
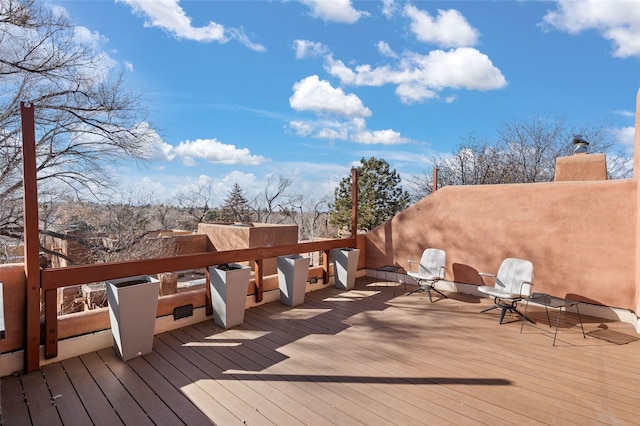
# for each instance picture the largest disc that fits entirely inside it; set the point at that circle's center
(85, 118)
(272, 200)
(164, 215)
(197, 203)
(310, 215)
(525, 151)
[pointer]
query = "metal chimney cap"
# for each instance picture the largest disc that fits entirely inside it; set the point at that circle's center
(581, 145)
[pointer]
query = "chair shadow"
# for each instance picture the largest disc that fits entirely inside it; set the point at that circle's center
(466, 274)
(605, 333)
(464, 297)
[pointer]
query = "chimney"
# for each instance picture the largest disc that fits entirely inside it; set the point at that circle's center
(580, 146)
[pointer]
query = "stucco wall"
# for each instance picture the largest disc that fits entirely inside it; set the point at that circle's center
(580, 236)
(14, 282)
(232, 237)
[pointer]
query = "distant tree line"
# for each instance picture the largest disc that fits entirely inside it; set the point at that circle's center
(525, 151)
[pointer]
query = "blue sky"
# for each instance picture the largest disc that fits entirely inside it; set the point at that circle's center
(242, 90)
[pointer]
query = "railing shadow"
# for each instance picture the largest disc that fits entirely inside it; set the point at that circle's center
(257, 344)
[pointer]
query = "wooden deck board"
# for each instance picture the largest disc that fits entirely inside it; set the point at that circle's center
(293, 381)
(358, 375)
(119, 398)
(41, 408)
(155, 408)
(14, 408)
(404, 368)
(349, 357)
(216, 366)
(150, 371)
(67, 402)
(226, 399)
(327, 362)
(93, 400)
(244, 361)
(190, 382)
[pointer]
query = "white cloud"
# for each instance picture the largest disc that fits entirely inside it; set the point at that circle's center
(461, 68)
(156, 148)
(354, 130)
(362, 75)
(410, 93)
(617, 21)
(329, 129)
(214, 151)
(332, 134)
(247, 181)
(626, 113)
(386, 50)
(384, 137)
(307, 49)
(318, 96)
(420, 77)
(168, 15)
(89, 38)
(313, 94)
(160, 151)
(302, 128)
(340, 11)
(627, 137)
(97, 70)
(389, 8)
(449, 29)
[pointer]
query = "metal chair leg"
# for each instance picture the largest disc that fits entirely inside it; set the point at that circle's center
(506, 307)
(504, 311)
(489, 309)
(523, 316)
(439, 292)
(427, 288)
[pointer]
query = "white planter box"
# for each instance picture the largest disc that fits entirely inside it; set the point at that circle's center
(133, 304)
(229, 294)
(345, 263)
(292, 278)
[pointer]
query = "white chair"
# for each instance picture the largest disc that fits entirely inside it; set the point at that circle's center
(512, 284)
(431, 269)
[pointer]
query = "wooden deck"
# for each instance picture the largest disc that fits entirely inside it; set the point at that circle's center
(365, 356)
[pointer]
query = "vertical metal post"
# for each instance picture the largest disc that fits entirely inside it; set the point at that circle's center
(51, 323)
(354, 202)
(258, 278)
(434, 185)
(31, 240)
(325, 266)
(208, 304)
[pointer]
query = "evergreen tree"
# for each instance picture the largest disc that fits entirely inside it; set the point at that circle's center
(380, 196)
(235, 207)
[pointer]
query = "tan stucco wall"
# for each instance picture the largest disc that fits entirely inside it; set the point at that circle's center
(580, 236)
(636, 171)
(13, 281)
(232, 237)
(581, 167)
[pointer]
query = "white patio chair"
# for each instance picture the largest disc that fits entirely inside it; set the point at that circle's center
(431, 269)
(512, 284)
